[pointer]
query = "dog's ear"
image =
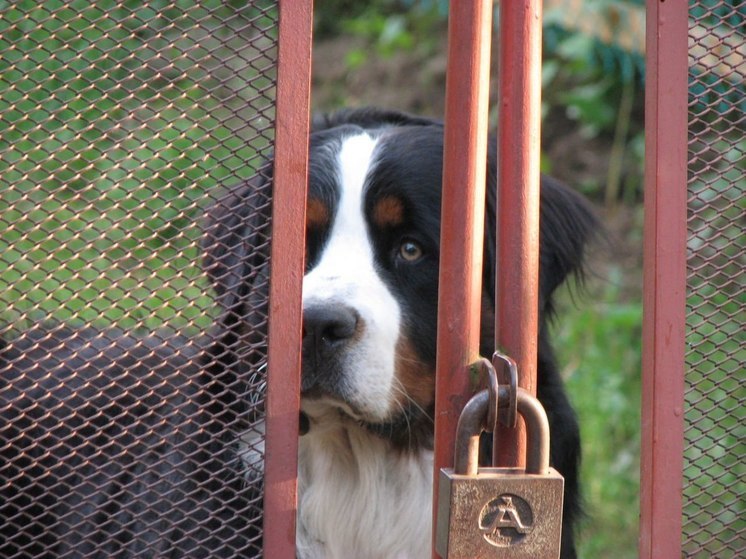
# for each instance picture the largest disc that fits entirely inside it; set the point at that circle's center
(236, 241)
(567, 226)
(368, 118)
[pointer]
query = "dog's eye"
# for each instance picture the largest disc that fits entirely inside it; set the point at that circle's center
(410, 250)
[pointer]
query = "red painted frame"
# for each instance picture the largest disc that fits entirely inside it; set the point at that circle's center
(664, 280)
(462, 234)
(517, 289)
(287, 265)
(463, 214)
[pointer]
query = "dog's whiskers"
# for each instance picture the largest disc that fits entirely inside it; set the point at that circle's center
(397, 385)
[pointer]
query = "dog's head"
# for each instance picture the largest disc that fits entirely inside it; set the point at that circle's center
(371, 281)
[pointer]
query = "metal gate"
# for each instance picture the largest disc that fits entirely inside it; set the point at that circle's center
(694, 357)
(126, 131)
(128, 347)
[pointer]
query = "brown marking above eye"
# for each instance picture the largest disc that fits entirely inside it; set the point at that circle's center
(388, 212)
(317, 214)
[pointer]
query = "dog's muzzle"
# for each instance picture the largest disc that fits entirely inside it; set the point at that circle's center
(328, 332)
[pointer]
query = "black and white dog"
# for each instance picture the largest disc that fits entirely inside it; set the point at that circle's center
(370, 308)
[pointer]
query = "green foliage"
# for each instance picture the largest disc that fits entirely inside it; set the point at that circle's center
(720, 102)
(369, 18)
(386, 32)
(726, 12)
(587, 76)
(599, 86)
(600, 345)
(715, 433)
(327, 20)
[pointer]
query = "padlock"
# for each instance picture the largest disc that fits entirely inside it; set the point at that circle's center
(500, 512)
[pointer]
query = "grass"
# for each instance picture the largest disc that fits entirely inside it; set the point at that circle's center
(115, 130)
(599, 342)
(714, 436)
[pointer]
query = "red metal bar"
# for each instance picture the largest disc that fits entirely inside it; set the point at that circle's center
(288, 230)
(462, 234)
(664, 280)
(517, 288)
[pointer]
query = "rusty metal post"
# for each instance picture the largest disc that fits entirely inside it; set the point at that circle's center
(462, 235)
(664, 285)
(288, 249)
(517, 288)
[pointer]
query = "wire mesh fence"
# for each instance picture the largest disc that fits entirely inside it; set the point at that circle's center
(131, 366)
(715, 463)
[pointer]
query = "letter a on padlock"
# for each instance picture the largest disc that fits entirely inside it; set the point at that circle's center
(500, 512)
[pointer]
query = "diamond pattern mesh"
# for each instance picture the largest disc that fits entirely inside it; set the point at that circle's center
(715, 429)
(131, 380)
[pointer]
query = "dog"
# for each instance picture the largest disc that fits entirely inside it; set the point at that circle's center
(370, 312)
(370, 287)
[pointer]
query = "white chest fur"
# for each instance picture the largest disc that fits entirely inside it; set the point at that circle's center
(359, 498)
(356, 496)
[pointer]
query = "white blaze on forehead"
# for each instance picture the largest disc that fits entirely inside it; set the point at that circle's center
(346, 274)
(355, 161)
(347, 257)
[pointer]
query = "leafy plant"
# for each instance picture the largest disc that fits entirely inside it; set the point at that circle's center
(599, 85)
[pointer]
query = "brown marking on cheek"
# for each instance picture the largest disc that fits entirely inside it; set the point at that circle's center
(388, 212)
(416, 378)
(317, 214)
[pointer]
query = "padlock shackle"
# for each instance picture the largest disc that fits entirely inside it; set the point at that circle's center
(537, 432)
(472, 420)
(470, 426)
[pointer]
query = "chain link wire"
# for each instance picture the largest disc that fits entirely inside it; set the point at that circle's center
(715, 427)
(129, 424)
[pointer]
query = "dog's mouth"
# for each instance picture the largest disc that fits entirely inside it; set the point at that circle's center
(317, 409)
(315, 404)
(318, 405)
(381, 429)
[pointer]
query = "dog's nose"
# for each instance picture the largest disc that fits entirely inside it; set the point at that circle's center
(328, 326)
(328, 329)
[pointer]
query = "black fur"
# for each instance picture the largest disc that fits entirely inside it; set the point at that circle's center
(107, 450)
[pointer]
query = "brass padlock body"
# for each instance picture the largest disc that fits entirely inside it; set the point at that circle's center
(515, 513)
(500, 512)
